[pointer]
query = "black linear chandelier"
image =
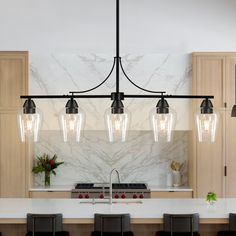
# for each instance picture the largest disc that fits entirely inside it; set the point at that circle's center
(117, 118)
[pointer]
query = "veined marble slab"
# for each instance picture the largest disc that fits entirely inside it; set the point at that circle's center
(140, 159)
(59, 73)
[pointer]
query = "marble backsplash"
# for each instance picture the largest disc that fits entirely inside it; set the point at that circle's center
(139, 159)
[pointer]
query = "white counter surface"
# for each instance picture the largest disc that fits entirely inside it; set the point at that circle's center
(149, 211)
(68, 188)
(164, 188)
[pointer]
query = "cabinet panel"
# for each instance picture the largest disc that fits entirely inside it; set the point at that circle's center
(164, 194)
(209, 78)
(53, 194)
(230, 131)
(13, 158)
(13, 71)
(13, 154)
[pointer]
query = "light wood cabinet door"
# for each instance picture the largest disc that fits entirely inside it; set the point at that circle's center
(230, 131)
(208, 158)
(13, 153)
(48, 194)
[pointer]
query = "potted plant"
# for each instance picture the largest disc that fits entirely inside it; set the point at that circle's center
(46, 164)
(211, 198)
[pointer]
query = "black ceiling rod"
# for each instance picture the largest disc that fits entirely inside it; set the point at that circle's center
(117, 46)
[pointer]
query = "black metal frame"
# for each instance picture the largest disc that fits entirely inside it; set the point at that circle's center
(118, 64)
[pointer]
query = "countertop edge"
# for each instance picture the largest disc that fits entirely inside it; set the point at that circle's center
(68, 188)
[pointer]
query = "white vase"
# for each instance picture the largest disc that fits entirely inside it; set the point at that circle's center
(176, 178)
(169, 179)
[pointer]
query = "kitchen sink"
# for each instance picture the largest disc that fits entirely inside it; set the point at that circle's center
(114, 201)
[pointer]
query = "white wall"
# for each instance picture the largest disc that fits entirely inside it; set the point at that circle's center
(147, 26)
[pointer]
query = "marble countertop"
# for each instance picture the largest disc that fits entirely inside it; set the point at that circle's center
(82, 211)
(170, 189)
(65, 188)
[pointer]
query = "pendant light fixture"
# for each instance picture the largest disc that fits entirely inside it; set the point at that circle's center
(233, 112)
(117, 118)
(207, 122)
(29, 121)
(72, 121)
(163, 121)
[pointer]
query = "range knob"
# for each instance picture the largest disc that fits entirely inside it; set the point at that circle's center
(116, 196)
(81, 196)
(123, 196)
(86, 196)
(141, 196)
(135, 196)
(101, 195)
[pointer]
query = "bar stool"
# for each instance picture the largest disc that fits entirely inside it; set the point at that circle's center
(45, 225)
(180, 225)
(112, 225)
(232, 226)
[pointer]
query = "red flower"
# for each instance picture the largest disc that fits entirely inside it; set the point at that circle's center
(52, 162)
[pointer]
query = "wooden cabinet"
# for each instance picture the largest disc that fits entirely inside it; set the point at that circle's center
(13, 153)
(50, 194)
(213, 74)
(230, 128)
(171, 194)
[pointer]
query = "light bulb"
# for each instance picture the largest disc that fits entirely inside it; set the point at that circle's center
(163, 124)
(117, 123)
(206, 125)
(72, 124)
(29, 124)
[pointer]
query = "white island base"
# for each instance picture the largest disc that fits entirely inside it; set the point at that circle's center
(146, 217)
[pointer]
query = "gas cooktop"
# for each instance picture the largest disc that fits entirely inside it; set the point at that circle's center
(119, 190)
(114, 186)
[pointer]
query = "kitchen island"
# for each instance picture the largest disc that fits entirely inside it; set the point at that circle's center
(146, 215)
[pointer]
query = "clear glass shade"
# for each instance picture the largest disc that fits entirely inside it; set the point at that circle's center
(29, 126)
(72, 125)
(162, 125)
(117, 125)
(207, 127)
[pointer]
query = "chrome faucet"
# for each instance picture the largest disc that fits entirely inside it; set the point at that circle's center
(118, 176)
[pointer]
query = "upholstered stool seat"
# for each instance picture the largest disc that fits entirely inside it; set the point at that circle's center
(62, 233)
(180, 225)
(227, 233)
(97, 233)
(163, 233)
(112, 225)
(45, 225)
(232, 226)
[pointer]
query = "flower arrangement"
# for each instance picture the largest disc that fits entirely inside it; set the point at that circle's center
(46, 164)
(211, 198)
(176, 166)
